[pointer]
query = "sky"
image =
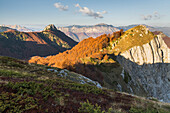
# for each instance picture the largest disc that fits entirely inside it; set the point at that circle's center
(85, 12)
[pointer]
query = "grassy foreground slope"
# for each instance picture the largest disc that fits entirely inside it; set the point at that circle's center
(26, 87)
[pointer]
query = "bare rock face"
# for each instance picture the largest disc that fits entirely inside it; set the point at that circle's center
(149, 67)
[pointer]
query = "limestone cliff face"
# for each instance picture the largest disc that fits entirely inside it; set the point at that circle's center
(149, 67)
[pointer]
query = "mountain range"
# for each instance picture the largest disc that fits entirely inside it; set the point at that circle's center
(23, 45)
(121, 61)
(80, 32)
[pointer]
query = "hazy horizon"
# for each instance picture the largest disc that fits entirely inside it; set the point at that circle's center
(39, 27)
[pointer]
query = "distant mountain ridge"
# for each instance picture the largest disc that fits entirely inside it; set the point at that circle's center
(18, 27)
(3, 28)
(78, 32)
(23, 45)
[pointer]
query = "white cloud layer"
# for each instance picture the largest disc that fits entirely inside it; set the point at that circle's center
(89, 12)
(154, 16)
(61, 7)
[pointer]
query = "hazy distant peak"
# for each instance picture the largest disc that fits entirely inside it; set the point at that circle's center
(18, 27)
(3, 28)
(50, 27)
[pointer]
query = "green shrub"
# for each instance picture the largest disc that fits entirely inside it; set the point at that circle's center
(83, 87)
(14, 103)
(11, 73)
(89, 108)
(127, 77)
(32, 88)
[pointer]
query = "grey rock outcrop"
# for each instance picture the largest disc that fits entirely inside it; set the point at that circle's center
(149, 67)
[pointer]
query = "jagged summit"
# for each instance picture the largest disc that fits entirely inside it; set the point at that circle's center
(50, 27)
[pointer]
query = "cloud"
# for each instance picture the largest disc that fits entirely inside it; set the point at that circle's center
(154, 16)
(147, 17)
(89, 12)
(61, 7)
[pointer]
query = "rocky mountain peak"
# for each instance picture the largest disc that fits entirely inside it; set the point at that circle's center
(50, 27)
(136, 36)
